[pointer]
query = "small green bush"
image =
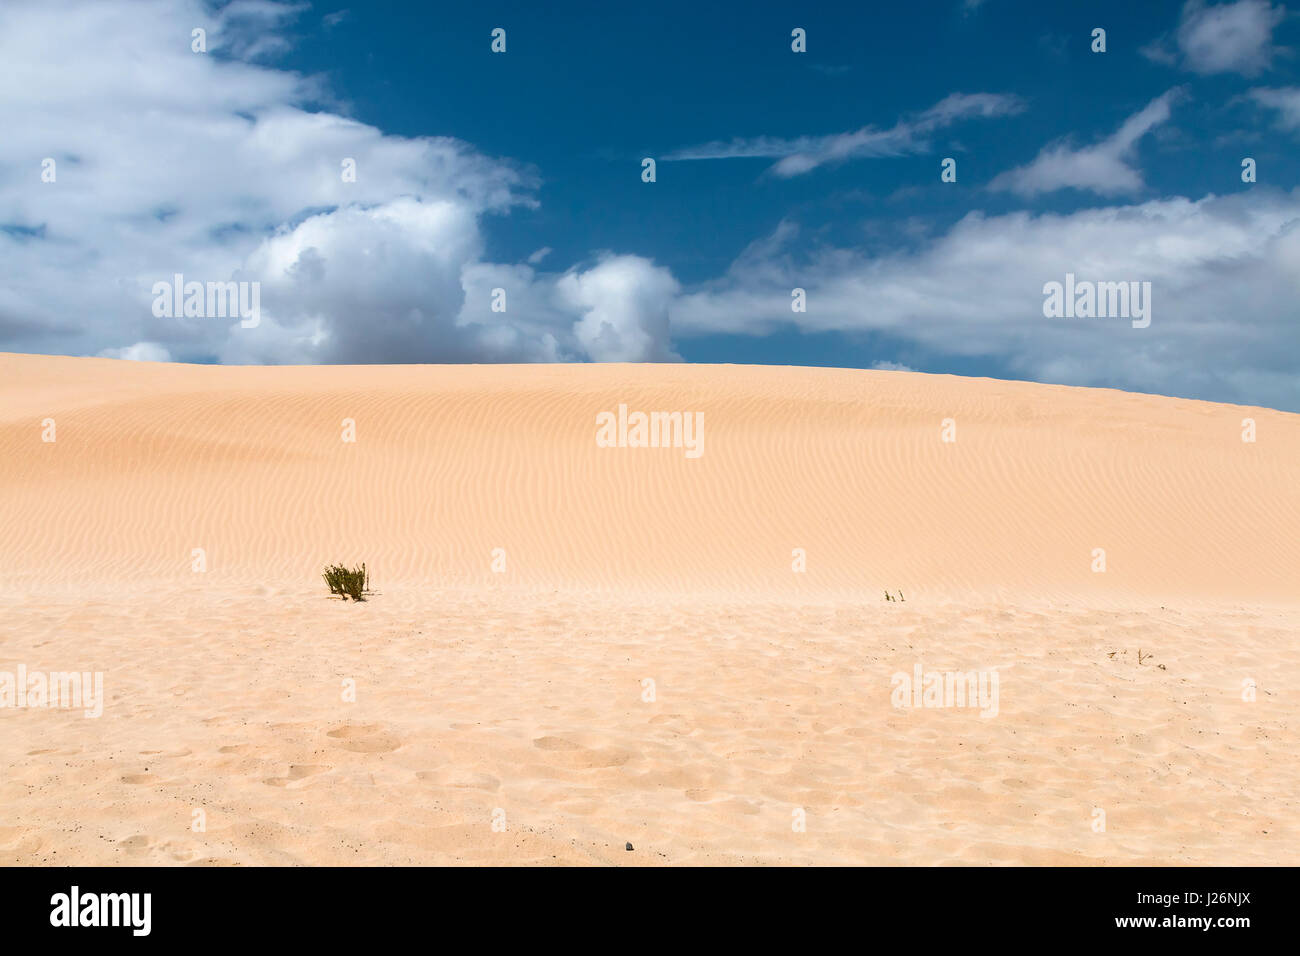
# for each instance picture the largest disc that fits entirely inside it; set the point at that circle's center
(347, 582)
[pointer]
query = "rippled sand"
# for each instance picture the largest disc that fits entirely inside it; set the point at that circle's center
(648, 668)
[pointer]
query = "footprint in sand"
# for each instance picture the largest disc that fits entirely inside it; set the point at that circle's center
(461, 779)
(135, 845)
(298, 771)
(365, 738)
(177, 851)
(578, 757)
(701, 796)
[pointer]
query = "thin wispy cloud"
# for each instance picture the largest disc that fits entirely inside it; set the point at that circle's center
(1227, 38)
(1286, 100)
(1103, 168)
(908, 136)
(1205, 259)
(245, 29)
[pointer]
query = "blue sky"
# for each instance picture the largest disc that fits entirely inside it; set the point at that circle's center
(521, 171)
(583, 95)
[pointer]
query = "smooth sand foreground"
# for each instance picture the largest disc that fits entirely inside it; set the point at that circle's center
(648, 667)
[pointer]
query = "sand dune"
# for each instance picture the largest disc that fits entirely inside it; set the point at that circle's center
(522, 692)
(450, 462)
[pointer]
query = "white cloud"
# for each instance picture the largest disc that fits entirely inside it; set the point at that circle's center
(1286, 100)
(625, 300)
(363, 284)
(1223, 270)
(1103, 168)
(169, 161)
(140, 352)
(907, 136)
(1224, 38)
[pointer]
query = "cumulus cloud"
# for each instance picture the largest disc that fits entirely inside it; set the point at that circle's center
(1223, 273)
(1104, 168)
(364, 283)
(168, 161)
(1225, 38)
(907, 136)
(140, 352)
(625, 300)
